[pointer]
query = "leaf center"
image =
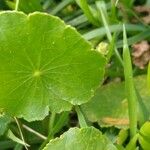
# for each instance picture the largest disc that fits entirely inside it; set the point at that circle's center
(37, 73)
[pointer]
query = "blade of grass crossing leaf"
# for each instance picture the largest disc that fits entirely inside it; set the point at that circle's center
(87, 11)
(148, 77)
(129, 86)
(17, 4)
(81, 117)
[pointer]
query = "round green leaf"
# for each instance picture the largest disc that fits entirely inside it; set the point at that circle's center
(44, 64)
(81, 139)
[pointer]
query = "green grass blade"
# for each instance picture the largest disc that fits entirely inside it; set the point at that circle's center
(129, 86)
(17, 4)
(81, 117)
(102, 9)
(111, 47)
(134, 39)
(87, 11)
(99, 32)
(11, 136)
(78, 20)
(60, 6)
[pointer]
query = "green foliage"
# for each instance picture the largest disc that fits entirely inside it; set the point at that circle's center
(51, 75)
(4, 121)
(109, 106)
(42, 69)
(144, 137)
(80, 139)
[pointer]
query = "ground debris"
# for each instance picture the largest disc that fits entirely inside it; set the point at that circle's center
(145, 10)
(141, 54)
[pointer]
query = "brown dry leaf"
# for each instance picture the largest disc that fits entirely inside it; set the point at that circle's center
(141, 54)
(144, 10)
(115, 121)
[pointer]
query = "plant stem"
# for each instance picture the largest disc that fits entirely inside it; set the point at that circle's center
(17, 4)
(62, 120)
(132, 144)
(20, 132)
(81, 117)
(51, 121)
(34, 132)
(129, 86)
(50, 135)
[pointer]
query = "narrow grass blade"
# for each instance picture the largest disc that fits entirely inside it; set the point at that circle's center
(11, 136)
(21, 134)
(136, 38)
(102, 9)
(81, 117)
(111, 47)
(87, 11)
(60, 6)
(129, 86)
(78, 20)
(17, 5)
(100, 32)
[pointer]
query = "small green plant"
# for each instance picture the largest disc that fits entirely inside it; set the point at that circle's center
(58, 88)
